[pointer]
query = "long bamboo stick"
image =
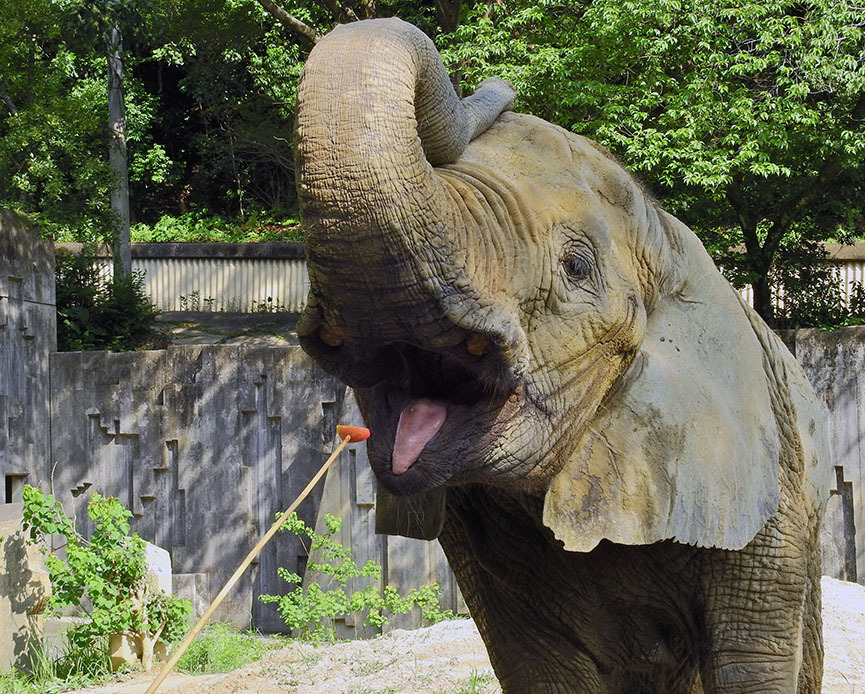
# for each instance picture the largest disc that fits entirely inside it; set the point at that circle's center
(217, 601)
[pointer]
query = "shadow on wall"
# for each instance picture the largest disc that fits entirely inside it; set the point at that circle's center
(24, 592)
(205, 445)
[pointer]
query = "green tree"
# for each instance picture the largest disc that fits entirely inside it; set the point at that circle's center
(747, 118)
(51, 122)
(54, 131)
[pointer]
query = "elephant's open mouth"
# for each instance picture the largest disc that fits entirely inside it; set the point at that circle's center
(434, 415)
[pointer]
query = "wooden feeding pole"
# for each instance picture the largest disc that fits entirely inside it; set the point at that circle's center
(347, 434)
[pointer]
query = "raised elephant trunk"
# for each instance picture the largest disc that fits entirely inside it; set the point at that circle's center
(376, 100)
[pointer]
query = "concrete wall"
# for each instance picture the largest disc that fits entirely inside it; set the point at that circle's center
(28, 334)
(205, 445)
(835, 364)
(349, 493)
(24, 592)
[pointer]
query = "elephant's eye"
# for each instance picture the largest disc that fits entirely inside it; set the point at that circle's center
(577, 265)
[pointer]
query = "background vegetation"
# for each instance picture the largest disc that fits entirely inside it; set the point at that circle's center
(745, 118)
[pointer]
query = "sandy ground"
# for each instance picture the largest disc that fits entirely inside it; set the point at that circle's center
(447, 657)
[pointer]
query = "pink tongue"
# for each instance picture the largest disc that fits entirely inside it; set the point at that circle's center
(419, 421)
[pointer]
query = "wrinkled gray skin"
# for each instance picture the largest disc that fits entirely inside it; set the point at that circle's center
(625, 472)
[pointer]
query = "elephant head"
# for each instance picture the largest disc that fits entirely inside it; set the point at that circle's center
(513, 309)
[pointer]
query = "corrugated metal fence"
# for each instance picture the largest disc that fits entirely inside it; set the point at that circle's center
(272, 276)
(244, 277)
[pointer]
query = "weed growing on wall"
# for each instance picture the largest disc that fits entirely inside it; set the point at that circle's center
(109, 570)
(310, 610)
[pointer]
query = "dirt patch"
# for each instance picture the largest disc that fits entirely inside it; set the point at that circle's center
(843, 637)
(222, 328)
(448, 657)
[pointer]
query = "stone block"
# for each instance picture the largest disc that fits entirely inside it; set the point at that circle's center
(158, 566)
(24, 592)
(193, 587)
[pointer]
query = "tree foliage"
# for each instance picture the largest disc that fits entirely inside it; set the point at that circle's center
(746, 118)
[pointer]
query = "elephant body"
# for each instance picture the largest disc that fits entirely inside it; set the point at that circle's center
(633, 619)
(623, 464)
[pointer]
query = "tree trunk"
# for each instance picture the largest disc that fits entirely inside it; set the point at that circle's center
(8, 103)
(117, 156)
(763, 303)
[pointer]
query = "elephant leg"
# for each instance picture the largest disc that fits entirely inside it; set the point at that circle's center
(529, 654)
(811, 672)
(537, 678)
(754, 640)
(524, 662)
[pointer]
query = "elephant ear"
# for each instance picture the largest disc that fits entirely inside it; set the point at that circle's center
(686, 445)
(420, 516)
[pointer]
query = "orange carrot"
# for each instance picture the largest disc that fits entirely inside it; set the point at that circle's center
(355, 434)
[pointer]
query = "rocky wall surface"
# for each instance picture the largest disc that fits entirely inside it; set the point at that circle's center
(205, 445)
(835, 365)
(24, 591)
(28, 334)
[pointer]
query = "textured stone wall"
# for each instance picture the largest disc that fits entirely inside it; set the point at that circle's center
(349, 493)
(835, 364)
(205, 445)
(28, 334)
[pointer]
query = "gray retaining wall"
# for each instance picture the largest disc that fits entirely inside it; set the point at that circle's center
(205, 445)
(28, 334)
(835, 365)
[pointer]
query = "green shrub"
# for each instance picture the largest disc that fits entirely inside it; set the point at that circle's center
(109, 570)
(98, 313)
(311, 610)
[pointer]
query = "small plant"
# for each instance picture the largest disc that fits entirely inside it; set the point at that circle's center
(476, 683)
(109, 570)
(311, 610)
(191, 301)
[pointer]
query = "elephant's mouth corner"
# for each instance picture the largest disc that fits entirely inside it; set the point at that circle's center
(435, 415)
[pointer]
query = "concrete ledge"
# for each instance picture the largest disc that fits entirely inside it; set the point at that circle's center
(254, 251)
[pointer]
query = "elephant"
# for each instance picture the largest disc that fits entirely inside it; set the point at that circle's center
(624, 465)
